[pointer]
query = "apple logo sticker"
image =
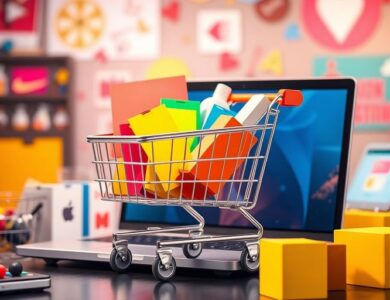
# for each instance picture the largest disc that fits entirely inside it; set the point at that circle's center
(68, 212)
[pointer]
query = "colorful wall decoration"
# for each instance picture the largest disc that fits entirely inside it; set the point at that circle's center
(223, 39)
(219, 31)
(19, 23)
(372, 110)
(341, 25)
(119, 30)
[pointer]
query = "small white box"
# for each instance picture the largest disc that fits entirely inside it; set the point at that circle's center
(254, 110)
(71, 210)
(67, 211)
(102, 215)
(61, 214)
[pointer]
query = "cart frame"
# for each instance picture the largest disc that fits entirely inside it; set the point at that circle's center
(247, 177)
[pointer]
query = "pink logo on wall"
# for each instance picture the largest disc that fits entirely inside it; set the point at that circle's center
(340, 24)
(29, 80)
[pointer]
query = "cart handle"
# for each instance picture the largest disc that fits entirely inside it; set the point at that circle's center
(287, 97)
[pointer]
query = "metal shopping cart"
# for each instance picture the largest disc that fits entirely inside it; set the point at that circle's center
(225, 170)
(18, 219)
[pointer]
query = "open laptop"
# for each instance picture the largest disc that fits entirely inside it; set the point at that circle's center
(302, 193)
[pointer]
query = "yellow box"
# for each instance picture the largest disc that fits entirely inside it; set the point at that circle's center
(293, 268)
(354, 218)
(157, 121)
(368, 255)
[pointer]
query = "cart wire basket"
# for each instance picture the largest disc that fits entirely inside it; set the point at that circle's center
(19, 219)
(225, 169)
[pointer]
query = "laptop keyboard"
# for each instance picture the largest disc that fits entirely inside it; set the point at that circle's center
(152, 240)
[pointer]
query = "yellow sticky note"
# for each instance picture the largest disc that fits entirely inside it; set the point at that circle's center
(161, 152)
(273, 63)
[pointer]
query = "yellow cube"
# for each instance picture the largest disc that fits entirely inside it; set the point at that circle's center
(354, 218)
(293, 268)
(368, 255)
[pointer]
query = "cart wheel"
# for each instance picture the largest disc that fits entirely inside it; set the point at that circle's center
(160, 272)
(120, 260)
(247, 263)
(51, 262)
(192, 250)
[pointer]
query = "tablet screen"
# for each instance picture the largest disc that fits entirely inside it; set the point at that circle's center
(372, 180)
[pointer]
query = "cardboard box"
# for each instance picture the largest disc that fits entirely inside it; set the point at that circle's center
(62, 211)
(354, 218)
(368, 255)
(293, 268)
(71, 210)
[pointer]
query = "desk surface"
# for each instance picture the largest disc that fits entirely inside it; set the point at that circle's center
(85, 281)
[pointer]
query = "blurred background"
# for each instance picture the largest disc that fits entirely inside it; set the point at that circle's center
(59, 57)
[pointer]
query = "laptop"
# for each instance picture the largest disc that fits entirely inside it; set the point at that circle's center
(302, 194)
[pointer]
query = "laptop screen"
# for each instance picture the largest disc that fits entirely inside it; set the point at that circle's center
(301, 181)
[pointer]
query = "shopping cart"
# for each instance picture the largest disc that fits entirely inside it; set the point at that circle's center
(18, 219)
(237, 193)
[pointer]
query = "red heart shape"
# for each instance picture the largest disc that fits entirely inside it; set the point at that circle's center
(227, 62)
(171, 11)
